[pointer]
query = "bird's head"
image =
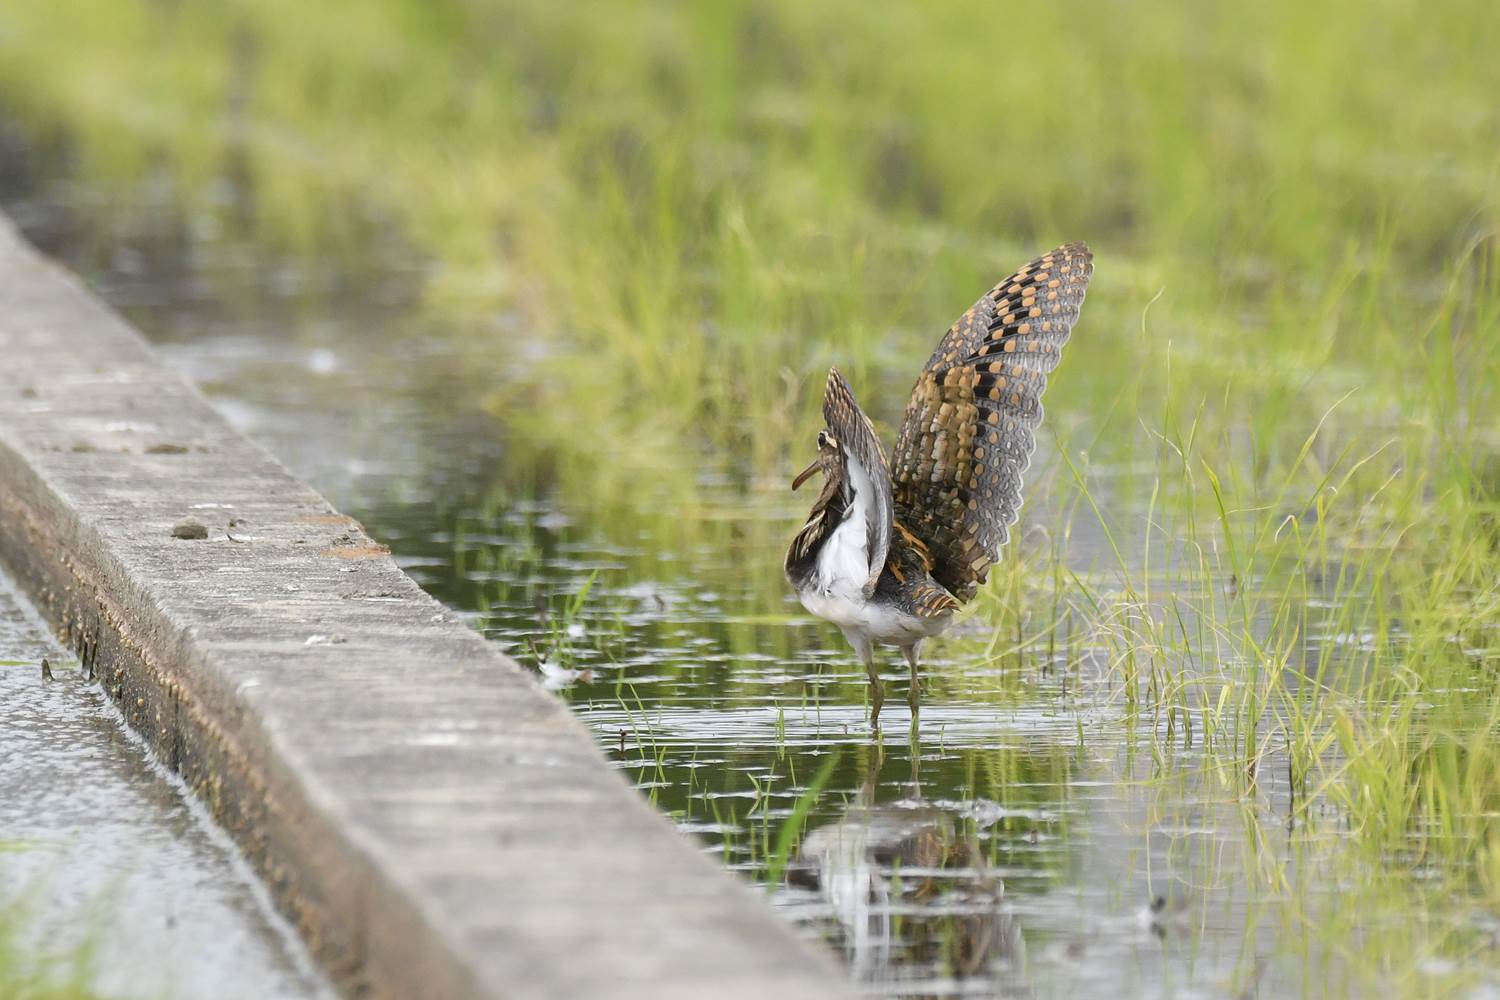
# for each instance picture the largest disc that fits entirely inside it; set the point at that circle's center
(830, 462)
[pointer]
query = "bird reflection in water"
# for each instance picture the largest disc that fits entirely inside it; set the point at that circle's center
(918, 906)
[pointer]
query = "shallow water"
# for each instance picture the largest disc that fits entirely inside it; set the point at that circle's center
(104, 861)
(1031, 838)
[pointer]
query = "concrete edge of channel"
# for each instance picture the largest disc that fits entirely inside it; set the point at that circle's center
(432, 821)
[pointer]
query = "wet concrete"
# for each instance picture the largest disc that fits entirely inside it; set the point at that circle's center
(104, 859)
(434, 822)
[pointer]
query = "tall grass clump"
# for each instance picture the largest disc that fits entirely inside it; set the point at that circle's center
(1326, 618)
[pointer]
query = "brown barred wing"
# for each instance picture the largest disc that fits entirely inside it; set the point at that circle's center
(968, 434)
(856, 436)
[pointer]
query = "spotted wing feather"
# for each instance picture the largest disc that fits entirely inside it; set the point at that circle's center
(848, 424)
(968, 433)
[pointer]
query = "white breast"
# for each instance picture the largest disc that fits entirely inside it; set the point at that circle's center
(835, 592)
(844, 560)
(843, 609)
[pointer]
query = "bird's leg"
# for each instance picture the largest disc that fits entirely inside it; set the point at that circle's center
(877, 691)
(914, 696)
(866, 650)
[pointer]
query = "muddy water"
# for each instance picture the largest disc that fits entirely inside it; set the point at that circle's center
(104, 864)
(1025, 841)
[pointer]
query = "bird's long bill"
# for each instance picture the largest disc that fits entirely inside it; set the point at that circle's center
(804, 475)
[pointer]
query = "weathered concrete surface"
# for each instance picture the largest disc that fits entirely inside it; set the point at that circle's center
(435, 824)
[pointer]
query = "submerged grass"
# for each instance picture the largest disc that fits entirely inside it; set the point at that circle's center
(26, 974)
(1273, 436)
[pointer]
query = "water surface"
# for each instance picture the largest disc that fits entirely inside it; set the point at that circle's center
(106, 865)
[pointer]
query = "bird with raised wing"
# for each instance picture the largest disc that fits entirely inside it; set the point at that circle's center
(891, 551)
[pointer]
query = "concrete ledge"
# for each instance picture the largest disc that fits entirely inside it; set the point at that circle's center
(433, 822)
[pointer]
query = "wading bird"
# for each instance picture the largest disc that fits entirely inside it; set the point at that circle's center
(890, 552)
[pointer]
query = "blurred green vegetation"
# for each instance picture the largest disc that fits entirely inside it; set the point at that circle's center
(705, 204)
